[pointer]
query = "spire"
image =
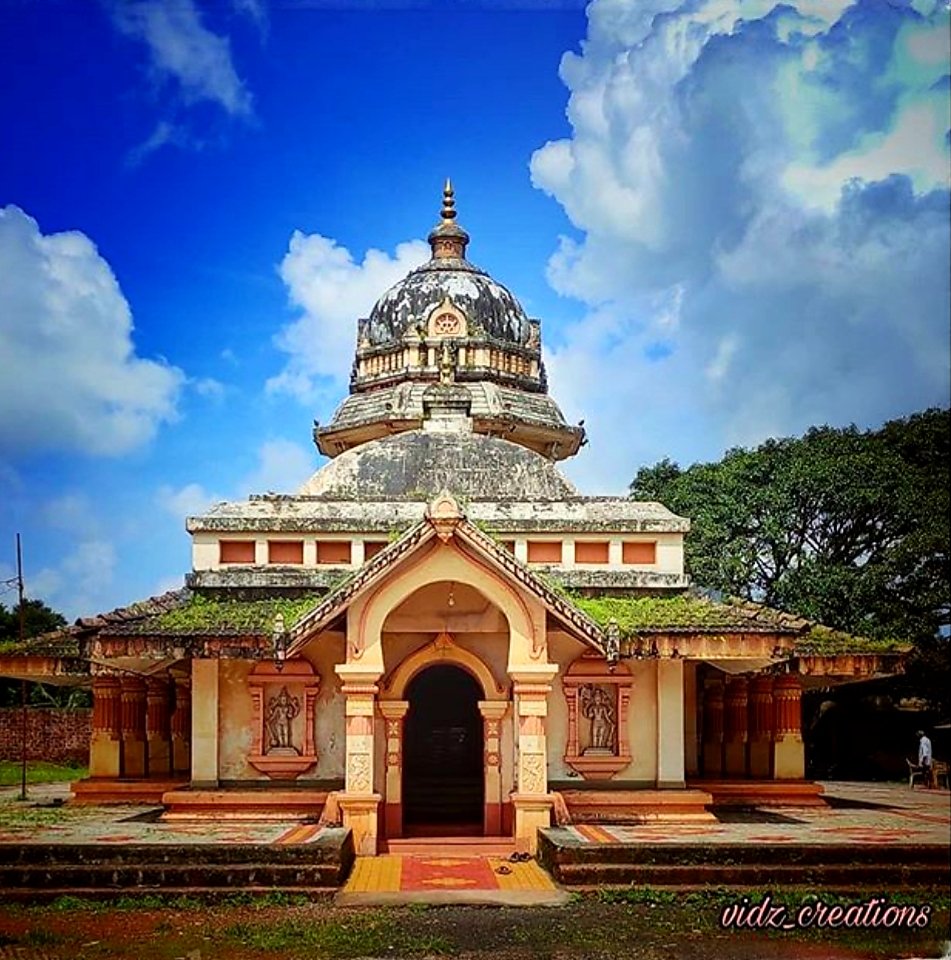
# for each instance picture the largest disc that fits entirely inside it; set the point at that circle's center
(448, 202)
(448, 240)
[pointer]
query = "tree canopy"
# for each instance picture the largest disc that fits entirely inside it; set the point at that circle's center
(37, 618)
(847, 527)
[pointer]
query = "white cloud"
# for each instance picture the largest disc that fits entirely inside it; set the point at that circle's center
(71, 378)
(184, 50)
(209, 388)
(916, 146)
(333, 291)
(80, 583)
(185, 501)
(255, 11)
(764, 219)
(282, 466)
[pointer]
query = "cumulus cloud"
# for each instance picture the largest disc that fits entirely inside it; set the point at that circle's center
(183, 50)
(282, 466)
(81, 581)
(761, 191)
(71, 377)
(186, 501)
(333, 290)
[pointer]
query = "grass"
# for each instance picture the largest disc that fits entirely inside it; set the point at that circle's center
(355, 936)
(178, 902)
(39, 771)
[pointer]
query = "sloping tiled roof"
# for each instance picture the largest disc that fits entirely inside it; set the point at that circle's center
(56, 643)
(693, 613)
(141, 610)
(183, 613)
(205, 616)
(686, 613)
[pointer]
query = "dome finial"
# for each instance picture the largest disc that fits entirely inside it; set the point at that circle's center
(447, 239)
(448, 201)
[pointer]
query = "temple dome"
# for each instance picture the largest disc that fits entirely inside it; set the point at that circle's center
(448, 323)
(491, 310)
(417, 465)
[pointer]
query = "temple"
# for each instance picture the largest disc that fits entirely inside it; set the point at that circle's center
(438, 634)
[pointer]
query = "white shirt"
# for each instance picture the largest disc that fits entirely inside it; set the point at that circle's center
(924, 751)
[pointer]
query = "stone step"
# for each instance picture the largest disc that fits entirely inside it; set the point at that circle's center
(452, 846)
(332, 848)
(749, 875)
(209, 894)
(127, 876)
(554, 848)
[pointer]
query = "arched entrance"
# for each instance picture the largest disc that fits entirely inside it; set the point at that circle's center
(443, 765)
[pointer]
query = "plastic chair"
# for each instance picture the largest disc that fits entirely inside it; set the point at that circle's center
(939, 771)
(915, 771)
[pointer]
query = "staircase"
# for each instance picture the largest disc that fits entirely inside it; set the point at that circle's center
(46, 871)
(452, 846)
(752, 864)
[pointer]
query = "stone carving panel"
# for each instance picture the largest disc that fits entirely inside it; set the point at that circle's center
(597, 694)
(283, 705)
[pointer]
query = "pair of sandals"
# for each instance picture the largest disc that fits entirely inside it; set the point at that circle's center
(514, 858)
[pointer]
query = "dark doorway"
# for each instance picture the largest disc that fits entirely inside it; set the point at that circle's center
(443, 779)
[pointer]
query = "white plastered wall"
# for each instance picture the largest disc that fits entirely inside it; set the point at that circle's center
(642, 716)
(235, 729)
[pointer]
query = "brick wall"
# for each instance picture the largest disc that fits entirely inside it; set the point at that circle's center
(51, 734)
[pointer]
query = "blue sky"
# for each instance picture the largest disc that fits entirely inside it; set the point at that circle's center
(731, 219)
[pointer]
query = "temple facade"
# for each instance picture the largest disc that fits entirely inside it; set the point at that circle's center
(438, 634)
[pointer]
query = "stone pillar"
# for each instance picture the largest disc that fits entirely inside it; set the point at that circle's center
(735, 728)
(105, 744)
(182, 726)
(531, 803)
(713, 728)
(492, 712)
(759, 749)
(789, 758)
(157, 732)
(394, 712)
(204, 723)
(670, 723)
(133, 727)
(359, 802)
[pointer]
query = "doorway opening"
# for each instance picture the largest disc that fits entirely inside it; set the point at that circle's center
(443, 746)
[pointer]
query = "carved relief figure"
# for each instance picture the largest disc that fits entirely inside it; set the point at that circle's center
(447, 364)
(597, 707)
(281, 710)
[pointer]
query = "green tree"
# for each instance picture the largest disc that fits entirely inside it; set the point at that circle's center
(38, 618)
(846, 527)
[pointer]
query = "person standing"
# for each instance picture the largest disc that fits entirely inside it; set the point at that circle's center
(924, 755)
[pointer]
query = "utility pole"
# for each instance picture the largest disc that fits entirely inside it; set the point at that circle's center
(23, 710)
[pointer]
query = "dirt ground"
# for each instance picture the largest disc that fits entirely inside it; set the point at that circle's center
(590, 927)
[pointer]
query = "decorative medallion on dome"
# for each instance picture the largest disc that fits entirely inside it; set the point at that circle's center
(449, 322)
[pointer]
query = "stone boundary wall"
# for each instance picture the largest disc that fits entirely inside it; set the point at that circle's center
(51, 734)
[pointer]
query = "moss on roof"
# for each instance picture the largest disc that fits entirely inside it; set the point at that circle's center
(689, 612)
(680, 613)
(824, 641)
(208, 615)
(57, 643)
